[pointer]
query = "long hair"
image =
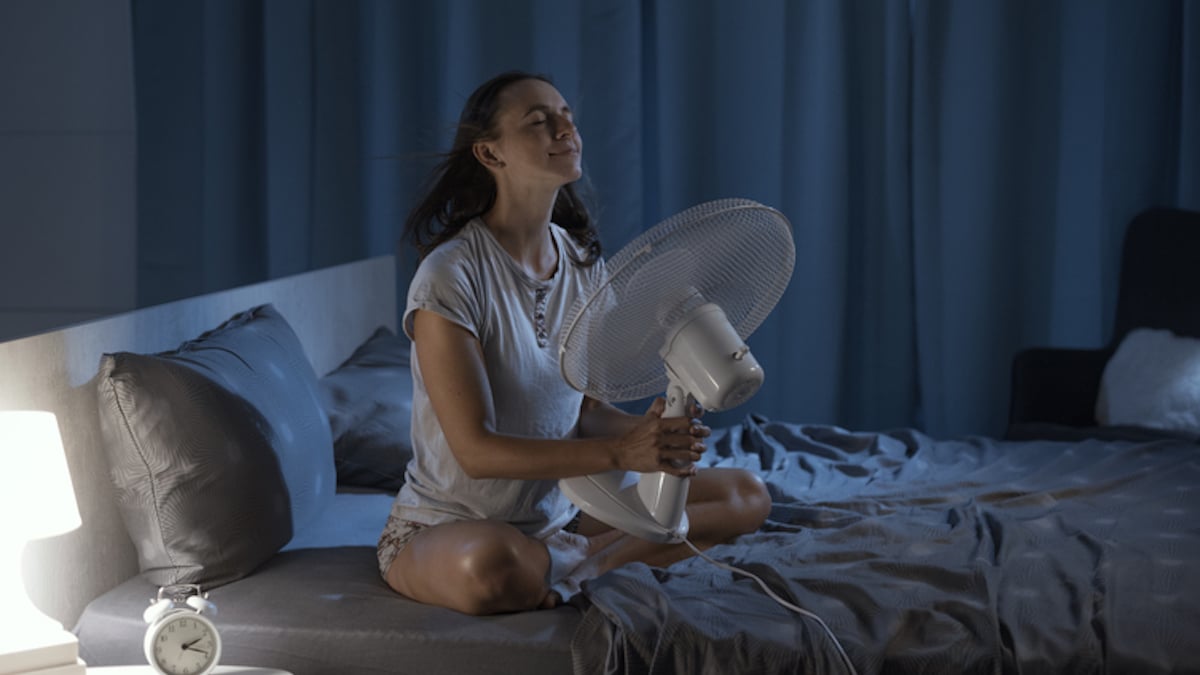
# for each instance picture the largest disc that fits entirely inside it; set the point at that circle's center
(460, 188)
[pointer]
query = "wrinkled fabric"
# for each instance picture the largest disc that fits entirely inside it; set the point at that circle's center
(922, 555)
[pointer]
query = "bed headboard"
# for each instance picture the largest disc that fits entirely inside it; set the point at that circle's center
(332, 310)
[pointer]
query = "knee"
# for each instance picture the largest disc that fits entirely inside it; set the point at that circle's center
(749, 499)
(502, 576)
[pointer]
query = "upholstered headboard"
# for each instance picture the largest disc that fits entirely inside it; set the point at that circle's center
(331, 310)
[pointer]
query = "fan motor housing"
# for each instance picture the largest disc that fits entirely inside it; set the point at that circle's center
(710, 360)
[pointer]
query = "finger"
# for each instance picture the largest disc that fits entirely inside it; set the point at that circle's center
(687, 448)
(657, 408)
(680, 469)
(673, 437)
(677, 439)
(677, 425)
(677, 467)
(694, 429)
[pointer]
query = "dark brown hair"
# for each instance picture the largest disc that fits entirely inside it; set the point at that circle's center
(460, 188)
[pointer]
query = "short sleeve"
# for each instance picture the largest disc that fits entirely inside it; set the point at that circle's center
(442, 285)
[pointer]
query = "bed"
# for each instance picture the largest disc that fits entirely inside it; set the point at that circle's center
(928, 556)
(1063, 548)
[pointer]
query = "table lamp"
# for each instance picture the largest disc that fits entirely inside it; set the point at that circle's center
(37, 500)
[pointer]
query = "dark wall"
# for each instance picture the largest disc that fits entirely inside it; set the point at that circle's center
(67, 219)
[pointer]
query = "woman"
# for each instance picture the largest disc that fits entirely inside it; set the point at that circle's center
(480, 525)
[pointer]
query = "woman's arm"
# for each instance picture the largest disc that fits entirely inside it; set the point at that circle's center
(452, 367)
(597, 418)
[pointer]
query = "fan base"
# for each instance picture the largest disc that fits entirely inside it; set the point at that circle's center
(612, 498)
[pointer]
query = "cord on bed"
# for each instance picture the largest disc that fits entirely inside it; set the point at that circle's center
(676, 535)
(774, 596)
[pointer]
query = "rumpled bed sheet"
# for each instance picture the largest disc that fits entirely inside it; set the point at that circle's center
(926, 556)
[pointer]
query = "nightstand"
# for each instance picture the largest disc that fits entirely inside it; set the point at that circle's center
(219, 670)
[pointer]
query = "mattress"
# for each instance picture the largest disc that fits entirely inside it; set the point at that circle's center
(320, 606)
(919, 554)
(326, 611)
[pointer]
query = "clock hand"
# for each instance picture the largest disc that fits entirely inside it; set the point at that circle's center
(187, 646)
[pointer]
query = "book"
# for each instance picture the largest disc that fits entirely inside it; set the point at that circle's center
(77, 668)
(22, 652)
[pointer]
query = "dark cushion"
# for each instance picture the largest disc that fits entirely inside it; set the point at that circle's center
(1056, 385)
(218, 450)
(369, 403)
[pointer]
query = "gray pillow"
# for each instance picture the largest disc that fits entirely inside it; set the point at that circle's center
(369, 403)
(218, 450)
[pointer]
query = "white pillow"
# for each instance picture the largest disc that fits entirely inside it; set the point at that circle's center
(1153, 380)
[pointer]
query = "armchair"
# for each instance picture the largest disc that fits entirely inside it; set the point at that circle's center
(1159, 287)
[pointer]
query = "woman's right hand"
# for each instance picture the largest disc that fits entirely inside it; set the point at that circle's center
(657, 443)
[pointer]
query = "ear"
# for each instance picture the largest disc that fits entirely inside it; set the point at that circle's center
(486, 153)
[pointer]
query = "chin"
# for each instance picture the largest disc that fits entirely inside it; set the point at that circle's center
(571, 176)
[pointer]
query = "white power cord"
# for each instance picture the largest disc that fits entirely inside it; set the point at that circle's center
(774, 596)
(675, 535)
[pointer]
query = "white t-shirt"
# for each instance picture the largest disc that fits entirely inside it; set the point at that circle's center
(473, 282)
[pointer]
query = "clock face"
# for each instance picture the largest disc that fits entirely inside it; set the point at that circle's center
(183, 643)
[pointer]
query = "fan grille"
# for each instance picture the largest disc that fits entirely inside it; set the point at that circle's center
(735, 253)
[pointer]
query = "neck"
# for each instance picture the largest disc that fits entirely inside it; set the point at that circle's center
(522, 227)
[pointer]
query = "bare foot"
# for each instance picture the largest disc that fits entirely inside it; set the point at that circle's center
(551, 601)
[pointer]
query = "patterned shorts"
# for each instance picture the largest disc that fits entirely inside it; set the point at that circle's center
(398, 533)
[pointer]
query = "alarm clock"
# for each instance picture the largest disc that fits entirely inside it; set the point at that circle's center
(180, 639)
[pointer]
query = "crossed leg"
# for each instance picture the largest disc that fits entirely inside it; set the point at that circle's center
(490, 567)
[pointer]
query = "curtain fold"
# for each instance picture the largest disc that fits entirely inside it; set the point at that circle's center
(1039, 130)
(958, 175)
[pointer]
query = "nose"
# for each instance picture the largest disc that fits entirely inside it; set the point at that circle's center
(563, 127)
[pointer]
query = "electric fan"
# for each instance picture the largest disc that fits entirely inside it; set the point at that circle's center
(673, 315)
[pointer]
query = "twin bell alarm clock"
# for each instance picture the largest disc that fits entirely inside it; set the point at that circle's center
(180, 638)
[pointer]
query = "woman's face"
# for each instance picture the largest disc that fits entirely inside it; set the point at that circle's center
(536, 136)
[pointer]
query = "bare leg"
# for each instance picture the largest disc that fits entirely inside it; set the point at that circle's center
(722, 504)
(489, 567)
(475, 567)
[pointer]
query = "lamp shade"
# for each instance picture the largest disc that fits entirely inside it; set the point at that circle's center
(36, 496)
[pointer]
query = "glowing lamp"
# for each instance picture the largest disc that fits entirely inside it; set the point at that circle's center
(37, 500)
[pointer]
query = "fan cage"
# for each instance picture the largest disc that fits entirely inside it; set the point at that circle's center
(736, 253)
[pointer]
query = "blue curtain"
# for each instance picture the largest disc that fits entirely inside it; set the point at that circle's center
(958, 175)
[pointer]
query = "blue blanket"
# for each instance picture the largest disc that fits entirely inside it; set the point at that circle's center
(923, 555)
